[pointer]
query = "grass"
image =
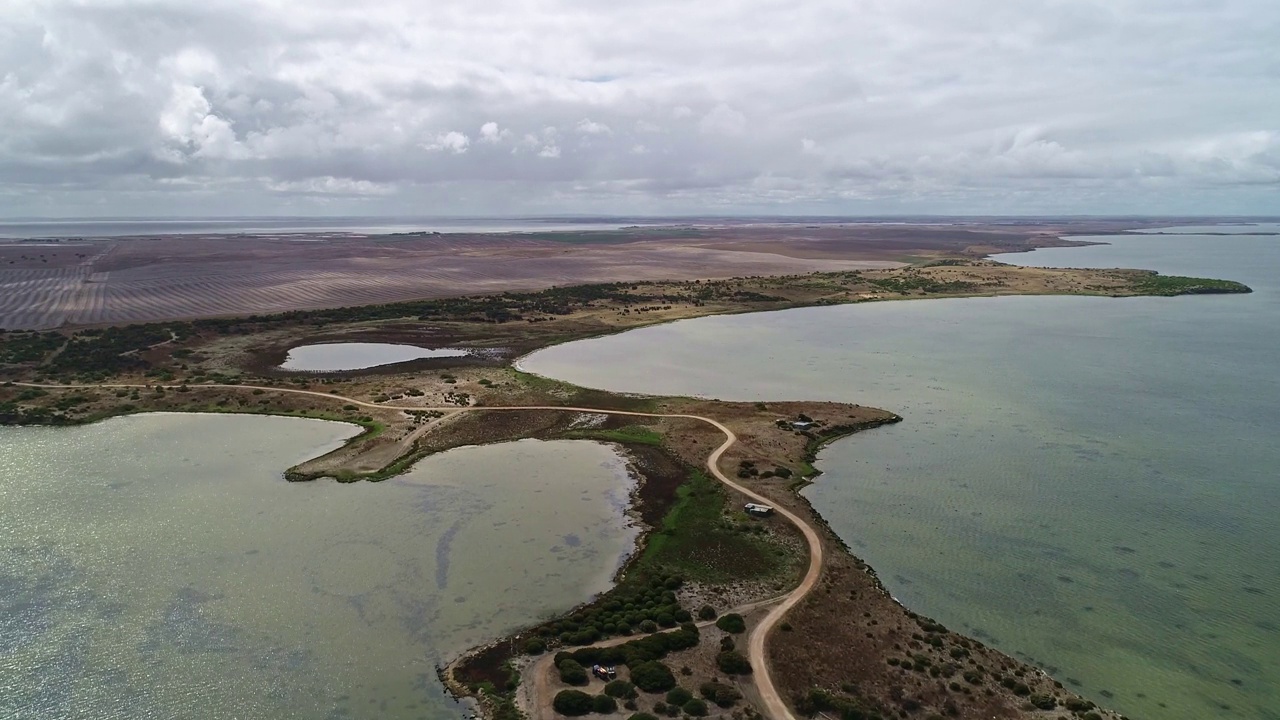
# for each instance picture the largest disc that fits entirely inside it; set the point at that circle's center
(632, 434)
(698, 542)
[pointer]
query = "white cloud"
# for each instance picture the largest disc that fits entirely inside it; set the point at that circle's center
(590, 127)
(923, 105)
(723, 120)
(491, 133)
(452, 141)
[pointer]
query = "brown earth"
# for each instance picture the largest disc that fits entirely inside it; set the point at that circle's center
(143, 279)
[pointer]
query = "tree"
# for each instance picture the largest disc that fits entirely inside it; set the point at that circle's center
(720, 694)
(604, 704)
(678, 696)
(535, 646)
(653, 677)
(732, 662)
(620, 689)
(732, 623)
(695, 707)
(706, 612)
(573, 703)
(572, 672)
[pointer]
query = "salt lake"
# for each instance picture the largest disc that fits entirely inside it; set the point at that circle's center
(158, 566)
(335, 357)
(1088, 483)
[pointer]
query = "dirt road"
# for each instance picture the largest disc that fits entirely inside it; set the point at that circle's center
(774, 706)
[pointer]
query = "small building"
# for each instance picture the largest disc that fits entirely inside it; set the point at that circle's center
(758, 510)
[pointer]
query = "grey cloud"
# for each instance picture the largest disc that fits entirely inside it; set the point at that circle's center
(660, 106)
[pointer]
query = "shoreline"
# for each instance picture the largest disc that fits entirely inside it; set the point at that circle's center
(563, 396)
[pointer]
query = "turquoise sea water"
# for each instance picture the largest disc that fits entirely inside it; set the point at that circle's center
(1088, 483)
(158, 566)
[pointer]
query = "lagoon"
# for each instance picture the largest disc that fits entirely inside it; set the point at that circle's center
(336, 357)
(158, 566)
(1088, 483)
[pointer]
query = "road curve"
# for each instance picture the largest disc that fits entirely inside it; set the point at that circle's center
(774, 706)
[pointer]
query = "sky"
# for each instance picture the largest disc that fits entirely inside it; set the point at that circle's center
(529, 107)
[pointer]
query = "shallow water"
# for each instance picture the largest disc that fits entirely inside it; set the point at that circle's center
(157, 566)
(1086, 482)
(333, 357)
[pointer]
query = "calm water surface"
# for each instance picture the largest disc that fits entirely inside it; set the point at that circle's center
(1089, 483)
(157, 566)
(332, 357)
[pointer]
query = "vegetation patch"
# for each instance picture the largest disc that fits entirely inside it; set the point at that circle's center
(699, 542)
(629, 435)
(1171, 285)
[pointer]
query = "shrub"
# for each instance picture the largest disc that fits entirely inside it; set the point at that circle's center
(648, 626)
(572, 672)
(732, 662)
(720, 694)
(643, 716)
(732, 623)
(620, 689)
(706, 612)
(653, 677)
(695, 707)
(1042, 701)
(535, 646)
(573, 703)
(679, 696)
(604, 704)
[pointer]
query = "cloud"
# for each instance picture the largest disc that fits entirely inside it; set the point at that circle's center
(590, 127)
(491, 133)
(452, 141)
(978, 106)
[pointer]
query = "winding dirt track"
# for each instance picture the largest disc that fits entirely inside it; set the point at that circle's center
(774, 707)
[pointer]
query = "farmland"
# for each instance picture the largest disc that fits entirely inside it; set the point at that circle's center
(97, 281)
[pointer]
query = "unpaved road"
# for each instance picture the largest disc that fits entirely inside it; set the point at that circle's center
(774, 707)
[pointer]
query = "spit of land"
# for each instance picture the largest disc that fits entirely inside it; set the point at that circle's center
(719, 612)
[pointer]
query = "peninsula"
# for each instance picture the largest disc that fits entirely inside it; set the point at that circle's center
(719, 611)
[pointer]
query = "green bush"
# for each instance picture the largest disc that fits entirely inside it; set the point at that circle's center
(732, 662)
(620, 689)
(695, 707)
(643, 716)
(604, 704)
(535, 646)
(732, 623)
(720, 694)
(1043, 701)
(572, 672)
(573, 703)
(706, 612)
(678, 696)
(653, 677)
